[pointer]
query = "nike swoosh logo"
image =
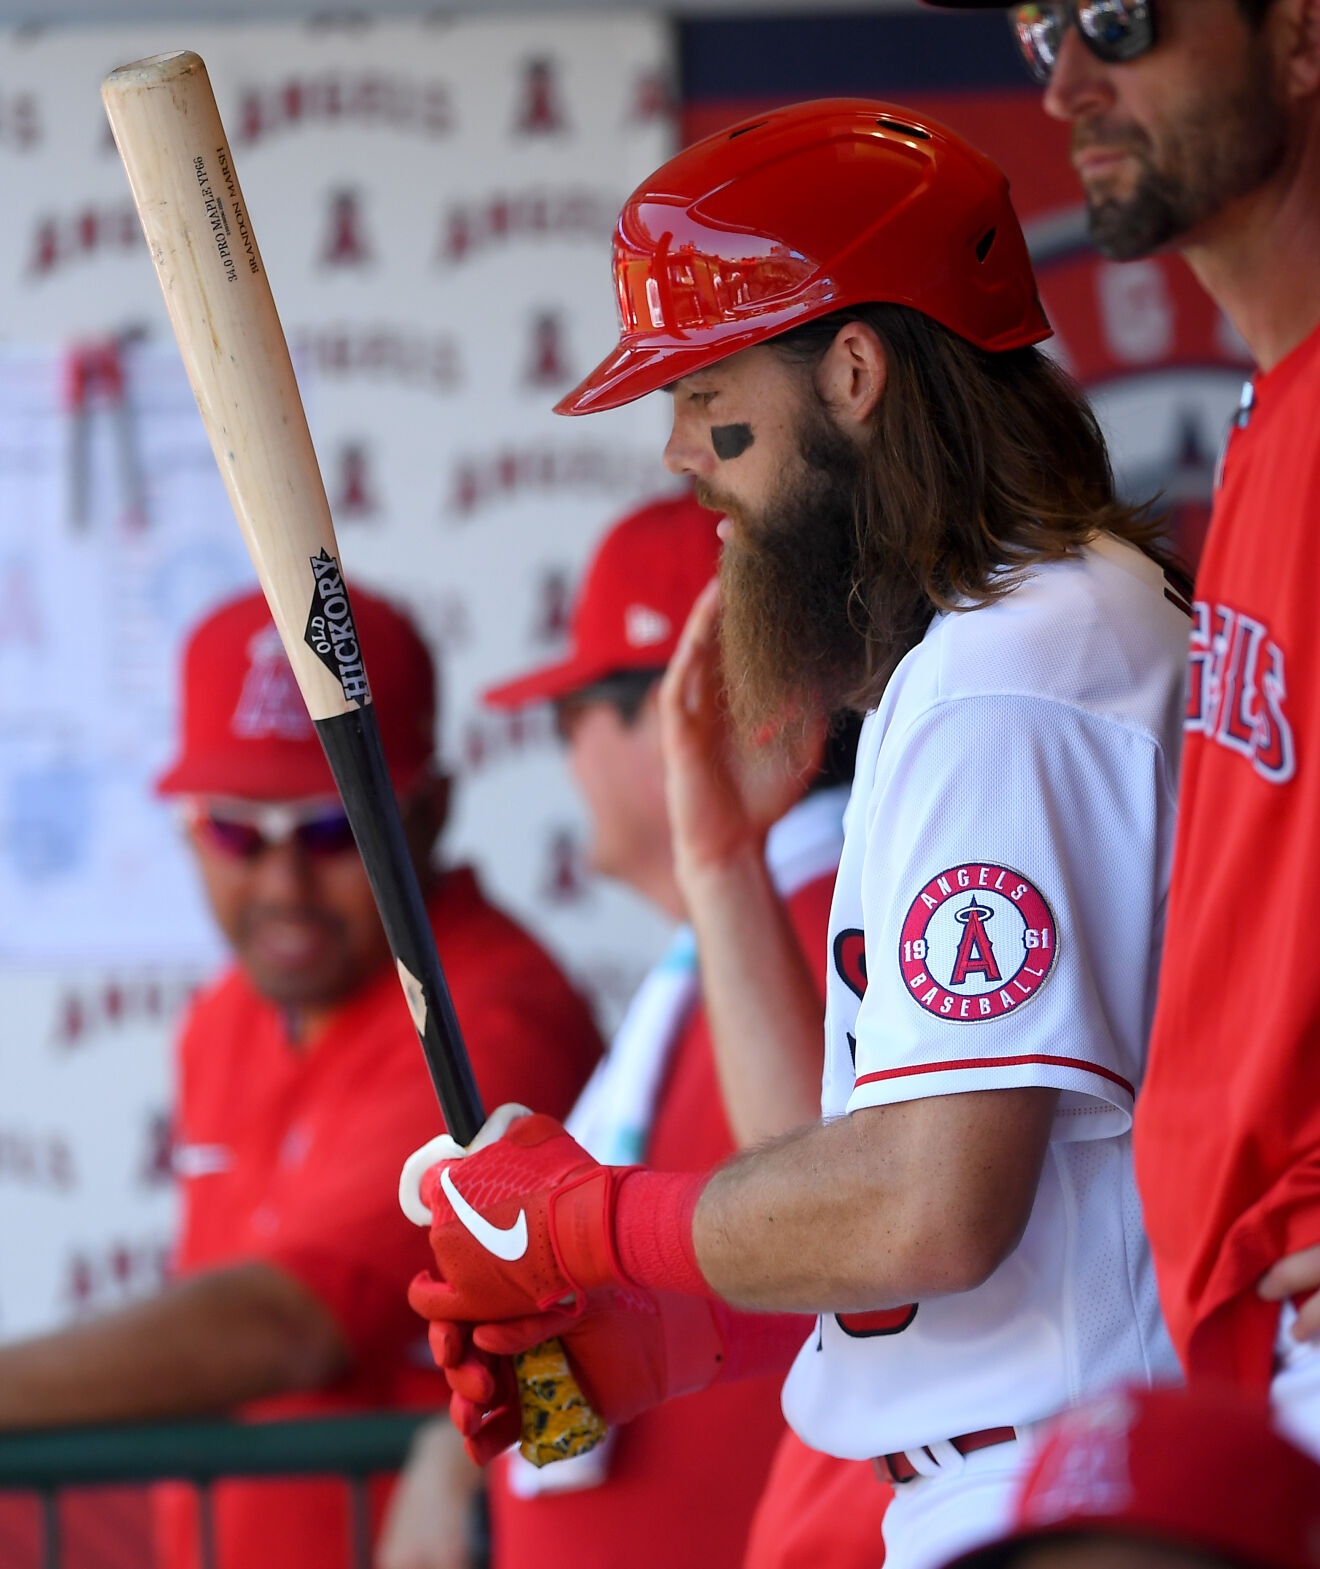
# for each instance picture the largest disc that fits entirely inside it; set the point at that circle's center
(506, 1242)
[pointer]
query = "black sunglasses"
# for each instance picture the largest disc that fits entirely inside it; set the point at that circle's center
(1113, 30)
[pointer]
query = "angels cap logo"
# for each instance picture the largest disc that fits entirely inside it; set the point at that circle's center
(978, 941)
(644, 627)
(270, 703)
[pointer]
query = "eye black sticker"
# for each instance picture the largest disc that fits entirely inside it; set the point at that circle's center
(730, 441)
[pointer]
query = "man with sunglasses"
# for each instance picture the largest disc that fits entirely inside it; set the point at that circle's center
(1196, 127)
(300, 1088)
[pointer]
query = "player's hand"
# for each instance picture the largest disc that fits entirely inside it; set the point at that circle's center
(520, 1223)
(428, 1522)
(1297, 1275)
(723, 798)
(630, 1350)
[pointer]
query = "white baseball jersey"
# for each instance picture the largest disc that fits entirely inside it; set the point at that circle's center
(997, 923)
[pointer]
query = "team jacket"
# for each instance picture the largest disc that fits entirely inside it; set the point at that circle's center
(1228, 1131)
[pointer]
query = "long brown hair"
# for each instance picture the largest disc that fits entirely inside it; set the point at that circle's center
(980, 466)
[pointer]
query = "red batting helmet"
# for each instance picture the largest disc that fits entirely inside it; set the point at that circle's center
(799, 212)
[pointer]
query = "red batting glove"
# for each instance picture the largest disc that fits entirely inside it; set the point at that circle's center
(519, 1224)
(630, 1350)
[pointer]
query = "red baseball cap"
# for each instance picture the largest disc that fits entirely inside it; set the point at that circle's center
(639, 589)
(1200, 1470)
(245, 728)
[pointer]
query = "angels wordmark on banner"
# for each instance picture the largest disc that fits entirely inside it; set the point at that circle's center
(119, 1272)
(37, 1160)
(490, 737)
(481, 480)
(432, 361)
(59, 239)
(364, 98)
(506, 217)
(89, 1010)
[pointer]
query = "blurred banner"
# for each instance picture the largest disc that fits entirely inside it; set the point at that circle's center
(433, 200)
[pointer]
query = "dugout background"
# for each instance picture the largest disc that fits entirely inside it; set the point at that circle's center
(433, 197)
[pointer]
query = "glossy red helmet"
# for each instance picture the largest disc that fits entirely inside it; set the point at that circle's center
(800, 212)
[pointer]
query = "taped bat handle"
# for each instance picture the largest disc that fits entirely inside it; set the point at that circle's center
(557, 1422)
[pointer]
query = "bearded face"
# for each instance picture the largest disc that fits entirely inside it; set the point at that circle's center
(787, 573)
(1190, 163)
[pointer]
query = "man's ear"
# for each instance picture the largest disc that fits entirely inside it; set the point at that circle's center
(851, 375)
(1299, 23)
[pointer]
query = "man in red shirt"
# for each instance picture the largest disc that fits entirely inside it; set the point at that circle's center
(301, 1088)
(1196, 126)
(680, 1483)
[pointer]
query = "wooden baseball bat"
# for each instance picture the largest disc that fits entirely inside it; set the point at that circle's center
(168, 132)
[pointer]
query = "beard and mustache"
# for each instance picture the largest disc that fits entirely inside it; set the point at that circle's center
(792, 638)
(1220, 149)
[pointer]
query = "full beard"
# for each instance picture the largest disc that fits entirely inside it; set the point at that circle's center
(791, 648)
(1221, 150)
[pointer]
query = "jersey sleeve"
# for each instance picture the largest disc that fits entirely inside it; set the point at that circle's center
(1011, 895)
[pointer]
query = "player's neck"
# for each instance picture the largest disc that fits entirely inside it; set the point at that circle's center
(1260, 262)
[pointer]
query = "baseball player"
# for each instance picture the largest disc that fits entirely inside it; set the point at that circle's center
(299, 1082)
(920, 521)
(1196, 125)
(679, 1483)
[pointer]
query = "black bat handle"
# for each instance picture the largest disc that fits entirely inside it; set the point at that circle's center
(556, 1419)
(357, 760)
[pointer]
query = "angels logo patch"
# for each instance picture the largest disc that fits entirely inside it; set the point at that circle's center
(978, 941)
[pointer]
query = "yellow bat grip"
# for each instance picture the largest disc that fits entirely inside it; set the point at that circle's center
(557, 1422)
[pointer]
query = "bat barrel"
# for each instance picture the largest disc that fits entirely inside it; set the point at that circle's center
(169, 135)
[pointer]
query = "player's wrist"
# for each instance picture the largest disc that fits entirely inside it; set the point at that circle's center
(652, 1227)
(581, 1223)
(715, 887)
